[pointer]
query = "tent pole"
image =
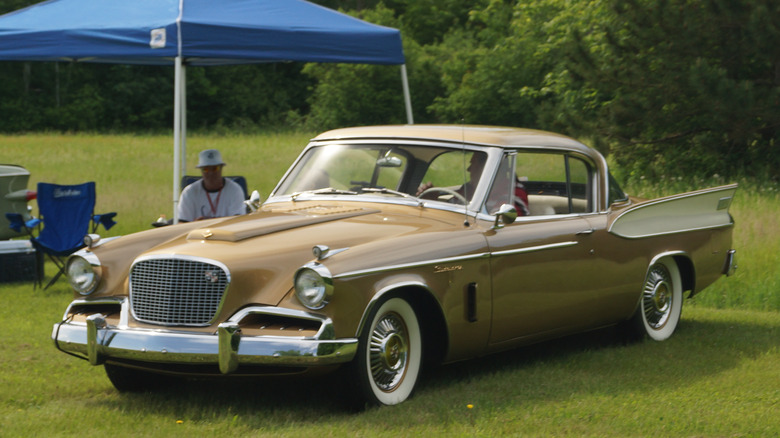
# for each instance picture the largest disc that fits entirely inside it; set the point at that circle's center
(407, 95)
(176, 136)
(183, 119)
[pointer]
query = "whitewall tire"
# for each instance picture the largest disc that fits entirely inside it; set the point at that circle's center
(389, 354)
(660, 306)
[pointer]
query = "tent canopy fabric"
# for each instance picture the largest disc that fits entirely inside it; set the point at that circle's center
(201, 32)
(195, 32)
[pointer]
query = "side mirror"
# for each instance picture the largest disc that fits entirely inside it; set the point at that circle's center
(254, 201)
(505, 215)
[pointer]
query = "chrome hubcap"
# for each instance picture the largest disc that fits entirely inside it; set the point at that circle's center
(389, 352)
(657, 297)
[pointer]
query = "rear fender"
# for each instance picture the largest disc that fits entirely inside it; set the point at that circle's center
(699, 210)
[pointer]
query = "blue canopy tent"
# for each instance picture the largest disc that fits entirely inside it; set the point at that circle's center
(195, 32)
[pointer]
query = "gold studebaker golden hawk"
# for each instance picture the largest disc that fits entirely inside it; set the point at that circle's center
(384, 249)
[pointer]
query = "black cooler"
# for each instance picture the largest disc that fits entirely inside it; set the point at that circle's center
(19, 261)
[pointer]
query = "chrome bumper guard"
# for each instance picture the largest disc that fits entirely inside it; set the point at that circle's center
(730, 265)
(97, 341)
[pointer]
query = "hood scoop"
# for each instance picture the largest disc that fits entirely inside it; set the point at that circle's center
(273, 220)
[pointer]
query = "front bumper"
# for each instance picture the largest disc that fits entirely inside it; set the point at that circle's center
(97, 341)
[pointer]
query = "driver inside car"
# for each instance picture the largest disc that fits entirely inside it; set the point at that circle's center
(476, 164)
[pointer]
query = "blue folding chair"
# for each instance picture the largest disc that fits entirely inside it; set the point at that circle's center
(66, 214)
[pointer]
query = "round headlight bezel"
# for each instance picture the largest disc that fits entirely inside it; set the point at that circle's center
(313, 286)
(83, 273)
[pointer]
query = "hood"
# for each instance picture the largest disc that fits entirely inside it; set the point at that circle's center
(278, 219)
(263, 250)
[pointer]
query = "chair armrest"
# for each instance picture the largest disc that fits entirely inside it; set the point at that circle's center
(32, 223)
(17, 222)
(105, 219)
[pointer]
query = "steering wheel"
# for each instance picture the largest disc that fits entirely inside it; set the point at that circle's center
(457, 195)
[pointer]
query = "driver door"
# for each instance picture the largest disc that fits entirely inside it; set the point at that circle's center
(541, 267)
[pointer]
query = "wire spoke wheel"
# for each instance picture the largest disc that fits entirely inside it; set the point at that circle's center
(657, 297)
(660, 306)
(390, 354)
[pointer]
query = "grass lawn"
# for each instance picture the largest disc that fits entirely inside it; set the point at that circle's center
(719, 375)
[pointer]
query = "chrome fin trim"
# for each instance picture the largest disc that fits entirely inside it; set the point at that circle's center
(700, 210)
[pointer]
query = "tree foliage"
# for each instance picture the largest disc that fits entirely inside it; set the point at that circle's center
(683, 87)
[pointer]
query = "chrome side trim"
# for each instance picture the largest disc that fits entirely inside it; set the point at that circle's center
(411, 265)
(535, 248)
(452, 259)
(680, 231)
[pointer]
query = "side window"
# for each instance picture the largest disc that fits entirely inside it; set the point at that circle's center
(507, 188)
(458, 171)
(579, 177)
(502, 190)
(616, 194)
(555, 183)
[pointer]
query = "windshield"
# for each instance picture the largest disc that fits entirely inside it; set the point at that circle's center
(434, 173)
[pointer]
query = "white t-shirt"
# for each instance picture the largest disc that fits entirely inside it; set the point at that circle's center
(196, 202)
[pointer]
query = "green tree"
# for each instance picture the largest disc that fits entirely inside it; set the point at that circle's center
(678, 87)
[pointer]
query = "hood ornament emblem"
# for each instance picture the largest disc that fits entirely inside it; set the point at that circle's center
(211, 276)
(206, 234)
(321, 252)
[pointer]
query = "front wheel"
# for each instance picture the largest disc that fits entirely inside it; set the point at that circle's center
(661, 304)
(389, 354)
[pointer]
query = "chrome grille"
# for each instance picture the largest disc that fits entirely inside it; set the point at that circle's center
(176, 290)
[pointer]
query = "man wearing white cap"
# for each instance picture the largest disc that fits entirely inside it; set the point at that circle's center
(211, 196)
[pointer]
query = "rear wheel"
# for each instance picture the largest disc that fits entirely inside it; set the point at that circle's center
(389, 354)
(660, 307)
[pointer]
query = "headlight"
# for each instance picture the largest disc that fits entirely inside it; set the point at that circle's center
(313, 286)
(83, 274)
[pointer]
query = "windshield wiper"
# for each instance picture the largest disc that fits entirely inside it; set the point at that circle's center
(323, 191)
(386, 191)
